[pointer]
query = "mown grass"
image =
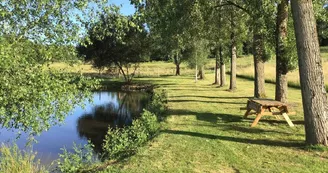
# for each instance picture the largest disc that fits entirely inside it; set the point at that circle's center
(245, 69)
(205, 132)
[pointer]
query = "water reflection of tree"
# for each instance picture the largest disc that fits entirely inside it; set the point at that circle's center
(94, 125)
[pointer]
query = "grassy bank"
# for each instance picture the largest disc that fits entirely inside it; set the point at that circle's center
(205, 132)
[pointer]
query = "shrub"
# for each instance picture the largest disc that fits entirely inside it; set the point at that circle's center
(12, 160)
(72, 162)
(123, 142)
(118, 142)
(158, 103)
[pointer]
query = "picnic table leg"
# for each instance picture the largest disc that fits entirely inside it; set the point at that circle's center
(258, 117)
(290, 123)
(247, 112)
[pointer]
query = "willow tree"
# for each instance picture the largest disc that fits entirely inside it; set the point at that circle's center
(33, 98)
(314, 96)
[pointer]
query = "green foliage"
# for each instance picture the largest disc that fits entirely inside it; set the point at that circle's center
(158, 104)
(33, 99)
(197, 53)
(321, 14)
(291, 51)
(116, 40)
(34, 33)
(122, 142)
(72, 162)
(15, 161)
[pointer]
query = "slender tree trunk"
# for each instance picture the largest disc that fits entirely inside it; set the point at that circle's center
(233, 61)
(201, 73)
(222, 75)
(222, 69)
(281, 56)
(196, 74)
(177, 72)
(259, 81)
(217, 75)
(315, 103)
(177, 64)
(233, 56)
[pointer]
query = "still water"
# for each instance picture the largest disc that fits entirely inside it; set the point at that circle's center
(114, 109)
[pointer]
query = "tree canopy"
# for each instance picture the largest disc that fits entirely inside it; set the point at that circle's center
(116, 40)
(32, 97)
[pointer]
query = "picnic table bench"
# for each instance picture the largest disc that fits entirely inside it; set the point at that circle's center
(267, 107)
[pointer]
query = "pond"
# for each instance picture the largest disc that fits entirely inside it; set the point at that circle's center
(114, 109)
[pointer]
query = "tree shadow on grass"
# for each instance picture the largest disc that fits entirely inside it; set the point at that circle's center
(213, 97)
(281, 121)
(253, 130)
(207, 116)
(264, 142)
(203, 101)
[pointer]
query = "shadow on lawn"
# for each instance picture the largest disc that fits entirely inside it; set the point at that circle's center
(239, 140)
(253, 130)
(203, 101)
(213, 97)
(282, 121)
(207, 116)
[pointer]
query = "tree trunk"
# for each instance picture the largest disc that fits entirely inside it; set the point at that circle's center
(177, 64)
(177, 72)
(222, 75)
(196, 77)
(259, 81)
(201, 73)
(233, 55)
(281, 56)
(217, 75)
(315, 103)
(233, 67)
(222, 70)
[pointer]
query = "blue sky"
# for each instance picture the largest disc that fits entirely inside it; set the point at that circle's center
(126, 8)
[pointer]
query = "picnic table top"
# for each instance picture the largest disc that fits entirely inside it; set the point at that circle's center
(268, 102)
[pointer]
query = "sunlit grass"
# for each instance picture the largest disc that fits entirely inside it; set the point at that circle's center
(12, 160)
(245, 68)
(205, 132)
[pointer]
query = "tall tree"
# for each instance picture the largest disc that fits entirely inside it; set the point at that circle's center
(233, 54)
(166, 19)
(314, 96)
(260, 13)
(281, 52)
(237, 34)
(286, 53)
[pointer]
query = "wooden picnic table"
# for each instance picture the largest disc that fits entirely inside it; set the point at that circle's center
(267, 107)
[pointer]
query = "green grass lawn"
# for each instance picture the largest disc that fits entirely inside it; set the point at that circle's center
(205, 132)
(245, 68)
